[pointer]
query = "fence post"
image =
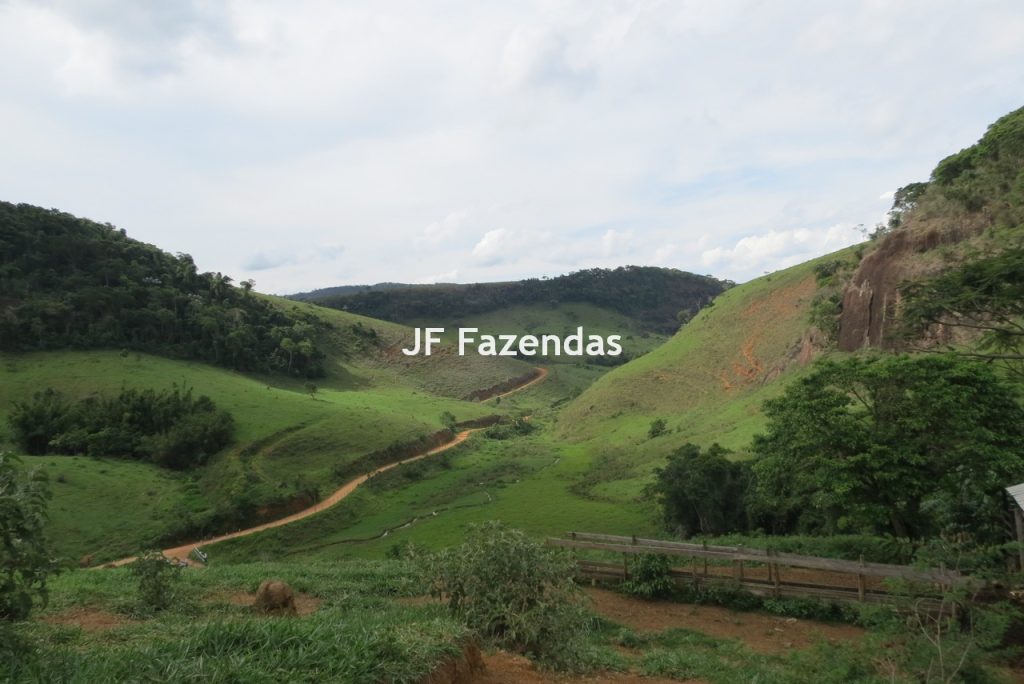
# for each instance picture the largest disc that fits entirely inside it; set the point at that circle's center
(860, 581)
(625, 566)
(705, 544)
(778, 581)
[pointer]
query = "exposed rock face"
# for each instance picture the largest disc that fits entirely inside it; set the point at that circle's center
(871, 302)
(275, 597)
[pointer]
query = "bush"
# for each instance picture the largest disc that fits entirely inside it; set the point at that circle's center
(25, 560)
(157, 581)
(516, 428)
(649, 577)
(512, 590)
(658, 428)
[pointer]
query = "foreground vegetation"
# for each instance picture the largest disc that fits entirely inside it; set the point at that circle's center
(103, 626)
(208, 632)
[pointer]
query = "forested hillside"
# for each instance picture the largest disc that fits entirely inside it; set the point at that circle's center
(656, 297)
(71, 283)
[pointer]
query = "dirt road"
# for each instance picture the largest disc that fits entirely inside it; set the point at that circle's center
(182, 552)
(541, 374)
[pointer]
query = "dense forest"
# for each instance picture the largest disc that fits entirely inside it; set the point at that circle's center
(67, 282)
(656, 297)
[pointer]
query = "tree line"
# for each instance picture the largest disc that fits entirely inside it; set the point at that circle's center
(170, 428)
(653, 296)
(67, 282)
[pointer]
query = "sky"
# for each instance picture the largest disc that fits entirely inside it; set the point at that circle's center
(309, 143)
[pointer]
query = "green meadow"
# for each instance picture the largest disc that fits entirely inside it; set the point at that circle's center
(287, 442)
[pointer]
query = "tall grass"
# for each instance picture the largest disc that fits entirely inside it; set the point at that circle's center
(357, 635)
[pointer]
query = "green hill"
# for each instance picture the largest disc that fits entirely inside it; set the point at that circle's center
(708, 379)
(651, 297)
(89, 312)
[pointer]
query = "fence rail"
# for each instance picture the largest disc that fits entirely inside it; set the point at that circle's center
(836, 579)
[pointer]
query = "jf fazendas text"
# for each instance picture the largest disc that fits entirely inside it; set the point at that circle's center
(577, 344)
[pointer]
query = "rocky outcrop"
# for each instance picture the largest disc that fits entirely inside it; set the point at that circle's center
(871, 301)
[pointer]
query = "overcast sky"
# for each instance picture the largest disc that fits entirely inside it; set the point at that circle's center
(307, 144)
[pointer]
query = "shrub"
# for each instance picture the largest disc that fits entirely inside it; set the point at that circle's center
(649, 577)
(157, 581)
(658, 428)
(25, 560)
(517, 427)
(512, 590)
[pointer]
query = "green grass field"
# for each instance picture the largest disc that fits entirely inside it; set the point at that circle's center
(210, 634)
(286, 442)
(527, 482)
(709, 380)
(358, 362)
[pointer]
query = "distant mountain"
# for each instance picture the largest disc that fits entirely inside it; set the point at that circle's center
(343, 290)
(657, 298)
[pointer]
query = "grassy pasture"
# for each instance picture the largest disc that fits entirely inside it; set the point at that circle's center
(286, 442)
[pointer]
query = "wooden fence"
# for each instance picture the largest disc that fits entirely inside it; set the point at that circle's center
(760, 571)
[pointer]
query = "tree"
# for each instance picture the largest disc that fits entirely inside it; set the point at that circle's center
(25, 560)
(158, 580)
(912, 445)
(702, 492)
(986, 295)
(289, 347)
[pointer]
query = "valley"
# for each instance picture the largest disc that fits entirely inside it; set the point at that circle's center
(863, 405)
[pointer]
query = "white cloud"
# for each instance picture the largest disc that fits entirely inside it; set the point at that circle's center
(663, 254)
(755, 254)
(616, 243)
(446, 277)
(491, 248)
(499, 140)
(440, 231)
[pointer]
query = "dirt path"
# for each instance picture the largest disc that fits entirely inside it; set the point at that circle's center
(761, 632)
(542, 373)
(182, 552)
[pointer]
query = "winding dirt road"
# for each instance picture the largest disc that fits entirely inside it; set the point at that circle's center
(541, 374)
(182, 552)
